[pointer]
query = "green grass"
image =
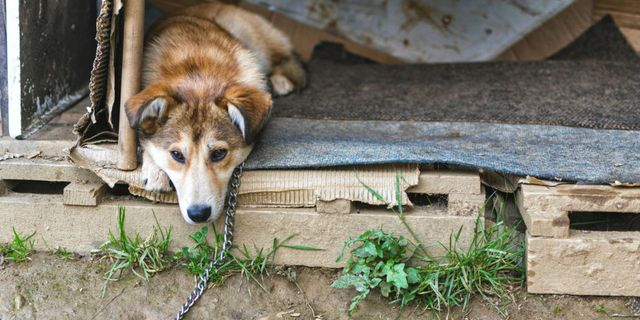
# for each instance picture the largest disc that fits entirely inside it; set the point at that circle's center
(383, 261)
(557, 310)
(147, 257)
(19, 249)
(142, 257)
(63, 253)
(252, 265)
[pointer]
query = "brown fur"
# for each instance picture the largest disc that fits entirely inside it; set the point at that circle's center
(201, 63)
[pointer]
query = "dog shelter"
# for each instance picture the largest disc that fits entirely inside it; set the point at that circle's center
(561, 134)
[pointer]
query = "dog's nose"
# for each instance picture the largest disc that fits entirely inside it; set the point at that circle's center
(199, 213)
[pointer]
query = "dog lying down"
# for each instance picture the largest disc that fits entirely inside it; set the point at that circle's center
(205, 99)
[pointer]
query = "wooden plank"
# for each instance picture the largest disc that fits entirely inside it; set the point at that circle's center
(338, 206)
(447, 182)
(44, 170)
(53, 131)
(81, 229)
(623, 19)
(633, 36)
(4, 187)
(630, 6)
(554, 34)
(131, 80)
(545, 210)
(47, 148)
(84, 194)
(625, 12)
(594, 263)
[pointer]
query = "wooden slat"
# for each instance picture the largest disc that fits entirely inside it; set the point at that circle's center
(554, 34)
(633, 36)
(338, 206)
(626, 13)
(626, 6)
(545, 210)
(133, 35)
(47, 148)
(446, 182)
(594, 263)
(623, 19)
(44, 170)
(84, 194)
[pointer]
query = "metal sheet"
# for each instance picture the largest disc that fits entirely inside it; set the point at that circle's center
(425, 30)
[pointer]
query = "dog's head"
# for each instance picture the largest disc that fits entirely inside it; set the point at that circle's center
(199, 142)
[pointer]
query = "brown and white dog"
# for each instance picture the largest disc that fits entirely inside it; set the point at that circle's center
(205, 99)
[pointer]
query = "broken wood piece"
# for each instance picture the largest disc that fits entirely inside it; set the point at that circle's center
(4, 187)
(83, 194)
(447, 182)
(337, 206)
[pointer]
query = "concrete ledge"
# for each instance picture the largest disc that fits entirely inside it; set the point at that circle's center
(593, 263)
(82, 229)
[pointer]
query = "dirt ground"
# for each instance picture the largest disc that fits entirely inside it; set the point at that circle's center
(51, 288)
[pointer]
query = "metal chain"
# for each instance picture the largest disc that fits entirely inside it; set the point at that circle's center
(230, 212)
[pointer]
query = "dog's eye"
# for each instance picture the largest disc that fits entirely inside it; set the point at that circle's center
(218, 155)
(177, 156)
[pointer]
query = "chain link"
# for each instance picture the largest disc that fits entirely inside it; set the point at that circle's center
(229, 216)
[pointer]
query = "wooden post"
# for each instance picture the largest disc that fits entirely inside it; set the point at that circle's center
(131, 79)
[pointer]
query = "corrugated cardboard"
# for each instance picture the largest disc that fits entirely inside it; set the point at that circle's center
(280, 188)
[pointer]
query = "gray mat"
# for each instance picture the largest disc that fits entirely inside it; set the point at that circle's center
(585, 93)
(550, 152)
(592, 83)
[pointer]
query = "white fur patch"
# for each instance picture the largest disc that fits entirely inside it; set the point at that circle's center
(237, 118)
(281, 85)
(154, 109)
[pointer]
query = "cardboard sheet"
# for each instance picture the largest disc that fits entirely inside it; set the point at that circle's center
(281, 188)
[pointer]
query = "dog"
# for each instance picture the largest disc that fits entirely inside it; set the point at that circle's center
(205, 99)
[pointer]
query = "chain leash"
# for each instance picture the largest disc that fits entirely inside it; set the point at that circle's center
(230, 212)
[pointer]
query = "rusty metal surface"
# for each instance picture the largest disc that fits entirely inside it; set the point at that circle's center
(425, 30)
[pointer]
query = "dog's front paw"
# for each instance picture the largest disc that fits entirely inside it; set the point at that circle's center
(155, 180)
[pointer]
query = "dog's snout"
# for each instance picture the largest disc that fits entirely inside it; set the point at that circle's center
(199, 213)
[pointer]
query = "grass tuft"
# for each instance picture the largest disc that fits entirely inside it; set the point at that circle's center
(19, 249)
(143, 257)
(63, 253)
(147, 257)
(381, 261)
(250, 264)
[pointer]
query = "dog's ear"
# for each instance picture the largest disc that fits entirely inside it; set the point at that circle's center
(149, 109)
(248, 108)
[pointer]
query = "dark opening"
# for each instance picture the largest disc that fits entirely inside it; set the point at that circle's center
(37, 187)
(429, 200)
(419, 201)
(604, 221)
(120, 190)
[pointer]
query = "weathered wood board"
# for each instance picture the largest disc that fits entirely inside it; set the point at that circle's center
(561, 260)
